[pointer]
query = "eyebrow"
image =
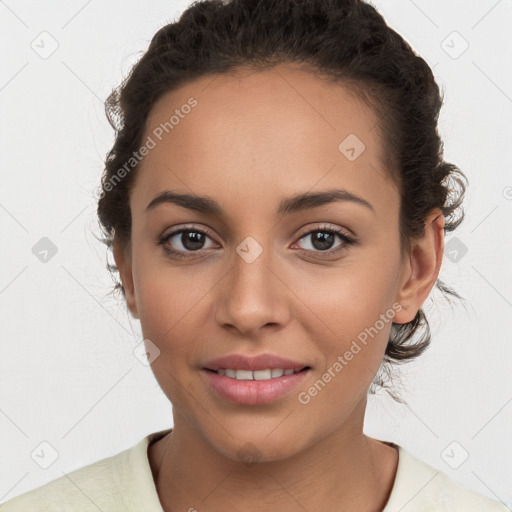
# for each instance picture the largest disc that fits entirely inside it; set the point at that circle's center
(299, 202)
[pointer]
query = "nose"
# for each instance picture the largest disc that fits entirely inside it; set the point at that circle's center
(252, 295)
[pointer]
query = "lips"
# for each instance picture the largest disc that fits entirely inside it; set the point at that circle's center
(254, 380)
(254, 363)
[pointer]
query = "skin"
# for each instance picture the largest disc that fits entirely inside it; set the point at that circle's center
(254, 138)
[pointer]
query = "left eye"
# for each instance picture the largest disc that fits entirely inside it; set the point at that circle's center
(322, 239)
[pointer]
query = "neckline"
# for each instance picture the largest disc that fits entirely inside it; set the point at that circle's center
(393, 495)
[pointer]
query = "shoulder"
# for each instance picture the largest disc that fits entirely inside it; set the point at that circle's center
(77, 490)
(419, 487)
(117, 483)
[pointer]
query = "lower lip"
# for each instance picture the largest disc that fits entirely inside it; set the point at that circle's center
(254, 392)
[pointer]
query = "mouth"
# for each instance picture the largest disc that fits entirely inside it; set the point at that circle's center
(254, 387)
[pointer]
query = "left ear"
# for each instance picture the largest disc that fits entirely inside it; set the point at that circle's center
(421, 268)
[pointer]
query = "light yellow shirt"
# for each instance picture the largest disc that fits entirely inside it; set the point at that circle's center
(124, 483)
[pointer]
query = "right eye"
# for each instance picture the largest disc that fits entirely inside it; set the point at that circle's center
(185, 241)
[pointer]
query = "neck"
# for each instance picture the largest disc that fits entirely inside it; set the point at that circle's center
(345, 470)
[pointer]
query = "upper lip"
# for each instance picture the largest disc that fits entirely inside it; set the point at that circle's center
(254, 363)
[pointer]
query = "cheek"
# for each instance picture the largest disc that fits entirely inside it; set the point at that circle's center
(168, 308)
(348, 301)
(356, 311)
(359, 316)
(168, 304)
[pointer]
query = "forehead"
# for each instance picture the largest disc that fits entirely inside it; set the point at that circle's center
(281, 129)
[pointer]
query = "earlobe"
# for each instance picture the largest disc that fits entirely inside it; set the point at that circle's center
(123, 261)
(422, 268)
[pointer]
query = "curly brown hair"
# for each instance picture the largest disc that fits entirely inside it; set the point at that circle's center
(342, 41)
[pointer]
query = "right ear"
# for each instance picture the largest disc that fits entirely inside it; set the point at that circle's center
(122, 257)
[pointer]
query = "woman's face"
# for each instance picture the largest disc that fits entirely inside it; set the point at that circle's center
(263, 273)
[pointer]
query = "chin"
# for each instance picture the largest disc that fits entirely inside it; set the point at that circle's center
(254, 443)
(250, 453)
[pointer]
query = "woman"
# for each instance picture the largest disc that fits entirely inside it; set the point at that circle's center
(276, 202)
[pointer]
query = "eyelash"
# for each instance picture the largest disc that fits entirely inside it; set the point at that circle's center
(347, 241)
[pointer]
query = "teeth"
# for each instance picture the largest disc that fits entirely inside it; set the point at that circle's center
(244, 375)
(256, 375)
(262, 374)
